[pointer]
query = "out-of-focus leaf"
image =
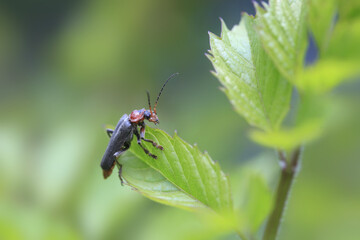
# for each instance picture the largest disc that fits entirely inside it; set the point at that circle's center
(104, 207)
(10, 230)
(23, 222)
(288, 138)
(339, 62)
(344, 43)
(325, 75)
(281, 26)
(309, 125)
(62, 150)
(252, 195)
(251, 81)
(174, 224)
(94, 46)
(257, 202)
(349, 9)
(321, 21)
(317, 198)
(12, 148)
(181, 176)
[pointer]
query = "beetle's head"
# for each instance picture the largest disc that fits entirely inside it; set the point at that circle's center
(151, 116)
(154, 118)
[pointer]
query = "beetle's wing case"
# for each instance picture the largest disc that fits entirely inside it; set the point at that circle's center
(123, 133)
(121, 120)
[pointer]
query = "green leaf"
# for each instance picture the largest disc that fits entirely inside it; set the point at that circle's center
(344, 44)
(321, 21)
(288, 138)
(349, 10)
(181, 176)
(153, 185)
(281, 26)
(250, 79)
(339, 62)
(253, 199)
(325, 75)
(257, 201)
(309, 125)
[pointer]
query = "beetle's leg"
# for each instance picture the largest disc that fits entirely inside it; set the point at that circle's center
(117, 155)
(120, 171)
(109, 132)
(120, 174)
(142, 136)
(139, 142)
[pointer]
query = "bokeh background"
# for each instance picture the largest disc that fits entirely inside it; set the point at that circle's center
(69, 67)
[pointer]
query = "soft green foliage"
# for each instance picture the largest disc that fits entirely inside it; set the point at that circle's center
(256, 201)
(153, 185)
(309, 125)
(281, 26)
(349, 10)
(240, 61)
(338, 55)
(344, 42)
(277, 37)
(321, 21)
(94, 65)
(288, 138)
(325, 75)
(182, 176)
(251, 82)
(253, 198)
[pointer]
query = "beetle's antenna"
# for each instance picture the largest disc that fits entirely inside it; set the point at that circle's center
(171, 77)
(148, 96)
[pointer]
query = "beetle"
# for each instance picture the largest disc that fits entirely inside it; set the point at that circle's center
(126, 128)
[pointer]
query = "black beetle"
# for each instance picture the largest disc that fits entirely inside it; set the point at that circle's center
(121, 136)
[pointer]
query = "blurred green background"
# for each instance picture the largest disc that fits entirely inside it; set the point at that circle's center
(69, 67)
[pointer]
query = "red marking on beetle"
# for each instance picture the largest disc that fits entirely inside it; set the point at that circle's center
(137, 116)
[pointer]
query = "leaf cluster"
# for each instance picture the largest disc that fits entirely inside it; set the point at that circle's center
(261, 64)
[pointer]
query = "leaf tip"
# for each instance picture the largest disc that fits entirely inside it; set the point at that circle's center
(222, 88)
(245, 14)
(214, 73)
(224, 28)
(255, 3)
(259, 8)
(212, 35)
(209, 56)
(196, 147)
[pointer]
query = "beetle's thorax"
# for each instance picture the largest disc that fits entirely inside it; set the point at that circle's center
(137, 116)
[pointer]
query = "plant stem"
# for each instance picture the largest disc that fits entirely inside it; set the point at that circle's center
(288, 173)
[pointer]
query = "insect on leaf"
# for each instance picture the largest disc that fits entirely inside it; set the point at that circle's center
(181, 176)
(251, 82)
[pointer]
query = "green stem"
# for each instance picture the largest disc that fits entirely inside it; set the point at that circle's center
(288, 173)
